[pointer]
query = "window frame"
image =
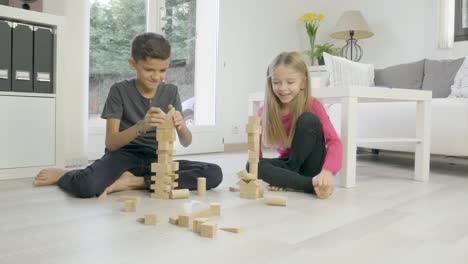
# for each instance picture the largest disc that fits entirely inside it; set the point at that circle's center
(460, 33)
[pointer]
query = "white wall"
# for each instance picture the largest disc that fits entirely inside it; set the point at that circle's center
(75, 93)
(253, 32)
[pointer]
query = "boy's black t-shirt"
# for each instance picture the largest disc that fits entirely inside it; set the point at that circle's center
(125, 102)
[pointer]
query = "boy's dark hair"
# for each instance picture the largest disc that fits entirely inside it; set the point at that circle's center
(150, 45)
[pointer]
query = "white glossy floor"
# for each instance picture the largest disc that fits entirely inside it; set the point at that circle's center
(387, 218)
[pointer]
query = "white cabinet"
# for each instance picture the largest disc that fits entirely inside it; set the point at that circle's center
(28, 134)
(31, 132)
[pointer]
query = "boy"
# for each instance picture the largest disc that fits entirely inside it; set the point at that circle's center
(133, 110)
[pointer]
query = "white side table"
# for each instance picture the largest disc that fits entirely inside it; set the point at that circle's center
(350, 96)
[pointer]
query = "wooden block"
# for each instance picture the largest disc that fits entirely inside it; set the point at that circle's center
(174, 166)
(174, 220)
(253, 169)
(165, 146)
(197, 222)
(244, 175)
(169, 119)
(233, 189)
(215, 209)
(165, 152)
(201, 186)
(130, 206)
(160, 195)
(277, 200)
(184, 220)
(164, 158)
(180, 194)
(161, 187)
(253, 129)
(166, 136)
(254, 120)
(174, 185)
(151, 219)
(161, 168)
(232, 229)
(254, 155)
(208, 230)
(203, 213)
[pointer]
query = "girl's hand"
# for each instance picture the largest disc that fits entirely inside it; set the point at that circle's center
(179, 121)
(323, 184)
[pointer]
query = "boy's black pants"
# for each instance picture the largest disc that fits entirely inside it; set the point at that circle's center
(95, 178)
(305, 160)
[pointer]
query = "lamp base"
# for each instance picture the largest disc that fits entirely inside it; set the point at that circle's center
(352, 50)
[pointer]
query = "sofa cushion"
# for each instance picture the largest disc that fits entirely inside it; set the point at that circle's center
(408, 75)
(439, 76)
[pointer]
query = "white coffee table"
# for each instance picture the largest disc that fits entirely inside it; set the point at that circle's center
(349, 97)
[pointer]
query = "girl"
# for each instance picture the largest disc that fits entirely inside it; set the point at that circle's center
(310, 151)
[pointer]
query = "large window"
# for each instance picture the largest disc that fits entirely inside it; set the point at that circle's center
(191, 28)
(114, 23)
(461, 20)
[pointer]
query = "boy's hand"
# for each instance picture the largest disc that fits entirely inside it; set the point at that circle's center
(154, 117)
(179, 121)
(323, 184)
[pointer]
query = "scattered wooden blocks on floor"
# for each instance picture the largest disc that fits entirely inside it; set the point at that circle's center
(174, 220)
(130, 206)
(180, 194)
(277, 200)
(151, 219)
(201, 186)
(232, 229)
(208, 230)
(197, 222)
(184, 220)
(233, 189)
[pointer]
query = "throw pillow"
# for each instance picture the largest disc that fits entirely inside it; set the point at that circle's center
(439, 76)
(460, 84)
(344, 72)
(408, 75)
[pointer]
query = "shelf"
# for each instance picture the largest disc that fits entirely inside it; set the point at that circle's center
(388, 140)
(43, 95)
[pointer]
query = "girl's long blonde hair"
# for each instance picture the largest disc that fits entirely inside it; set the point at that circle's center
(274, 133)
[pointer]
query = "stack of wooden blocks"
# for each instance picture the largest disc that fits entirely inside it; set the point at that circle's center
(164, 183)
(250, 185)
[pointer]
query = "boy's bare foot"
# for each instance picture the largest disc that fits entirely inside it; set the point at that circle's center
(275, 189)
(49, 176)
(127, 181)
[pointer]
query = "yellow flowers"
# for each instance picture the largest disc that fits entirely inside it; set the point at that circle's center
(308, 17)
(312, 22)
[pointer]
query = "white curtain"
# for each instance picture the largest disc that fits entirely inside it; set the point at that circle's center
(446, 23)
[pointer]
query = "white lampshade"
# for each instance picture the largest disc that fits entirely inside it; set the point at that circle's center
(352, 21)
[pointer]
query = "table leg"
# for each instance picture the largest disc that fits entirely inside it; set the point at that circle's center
(348, 137)
(423, 129)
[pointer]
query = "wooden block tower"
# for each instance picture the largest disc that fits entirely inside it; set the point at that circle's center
(250, 185)
(165, 180)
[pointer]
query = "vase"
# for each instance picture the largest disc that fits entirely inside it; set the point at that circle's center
(312, 47)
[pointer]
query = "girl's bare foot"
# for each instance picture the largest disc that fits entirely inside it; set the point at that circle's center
(127, 181)
(275, 189)
(49, 176)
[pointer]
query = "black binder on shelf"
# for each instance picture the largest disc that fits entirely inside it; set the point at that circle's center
(22, 58)
(43, 60)
(5, 55)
